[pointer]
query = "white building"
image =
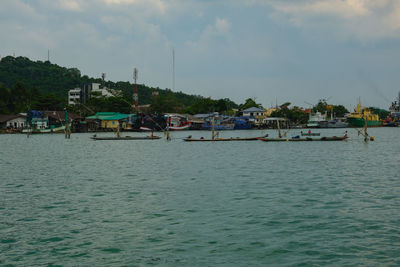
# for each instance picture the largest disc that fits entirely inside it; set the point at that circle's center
(74, 96)
(86, 91)
(253, 112)
(255, 115)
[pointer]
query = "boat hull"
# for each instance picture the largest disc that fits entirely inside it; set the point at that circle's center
(60, 129)
(127, 138)
(221, 139)
(332, 138)
(360, 122)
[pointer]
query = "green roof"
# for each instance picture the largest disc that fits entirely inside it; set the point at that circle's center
(108, 116)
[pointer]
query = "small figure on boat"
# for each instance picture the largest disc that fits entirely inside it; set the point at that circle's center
(202, 137)
(189, 136)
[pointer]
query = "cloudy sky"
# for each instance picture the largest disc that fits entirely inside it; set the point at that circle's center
(271, 50)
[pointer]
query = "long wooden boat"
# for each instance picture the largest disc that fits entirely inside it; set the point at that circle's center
(190, 139)
(127, 138)
(332, 138)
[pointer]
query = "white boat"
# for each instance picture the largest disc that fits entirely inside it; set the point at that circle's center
(334, 123)
(315, 119)
(60, 129)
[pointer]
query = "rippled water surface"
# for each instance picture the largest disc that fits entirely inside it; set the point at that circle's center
(98, 203)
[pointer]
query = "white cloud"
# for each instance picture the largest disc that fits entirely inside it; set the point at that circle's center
(363, 19)
(158, 6)
(220, 29)
(70, 5)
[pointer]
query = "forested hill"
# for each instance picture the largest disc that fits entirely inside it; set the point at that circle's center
(51, 78)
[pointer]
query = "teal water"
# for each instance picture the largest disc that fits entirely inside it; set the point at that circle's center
(134, 203)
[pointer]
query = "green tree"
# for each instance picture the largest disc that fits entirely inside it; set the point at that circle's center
(249, 103)
(167, 104)
(339, 110)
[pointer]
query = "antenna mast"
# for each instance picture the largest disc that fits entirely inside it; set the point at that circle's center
(103, 77)
(135, 91)
(48, 55)
(173, 69)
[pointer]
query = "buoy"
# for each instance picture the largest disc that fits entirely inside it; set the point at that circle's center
(372, 138)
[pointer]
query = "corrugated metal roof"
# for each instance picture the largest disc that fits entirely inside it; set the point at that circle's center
(108, 116)
(253, 109)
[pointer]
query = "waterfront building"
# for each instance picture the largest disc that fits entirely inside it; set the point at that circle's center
(12, 121)
(255, 115)
(110, 120)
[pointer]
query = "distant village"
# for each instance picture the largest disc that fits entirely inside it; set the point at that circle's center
(142, 119)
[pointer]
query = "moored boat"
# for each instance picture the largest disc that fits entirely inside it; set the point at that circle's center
(362, 114)
(315, 119)
(334, 123)
(190, 139)
(325, 138)
(393, 120)
(126, 138)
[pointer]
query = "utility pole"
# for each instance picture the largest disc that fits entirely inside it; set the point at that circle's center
(103, 77)
(173, 69)
(135, 91)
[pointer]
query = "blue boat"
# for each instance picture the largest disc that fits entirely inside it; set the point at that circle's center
(218, 126)
(242, 123)
(220, 123)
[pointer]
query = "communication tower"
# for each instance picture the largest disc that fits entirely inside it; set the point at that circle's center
(135, 91)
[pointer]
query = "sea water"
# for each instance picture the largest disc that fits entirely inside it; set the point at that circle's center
(69, 202)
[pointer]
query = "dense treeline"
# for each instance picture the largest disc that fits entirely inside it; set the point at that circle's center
(19, 99)
(48, 78)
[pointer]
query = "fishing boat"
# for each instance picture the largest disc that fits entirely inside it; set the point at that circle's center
(190, 139)
(300, 139)
(94, 137)
(220, 123)
(315, 119)
(393, 120)
(60, 129)
(176, 122)
(37, 122)
(119, 137)
(333, 123)
(361, 115)
(215, 138)
(325, 138)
